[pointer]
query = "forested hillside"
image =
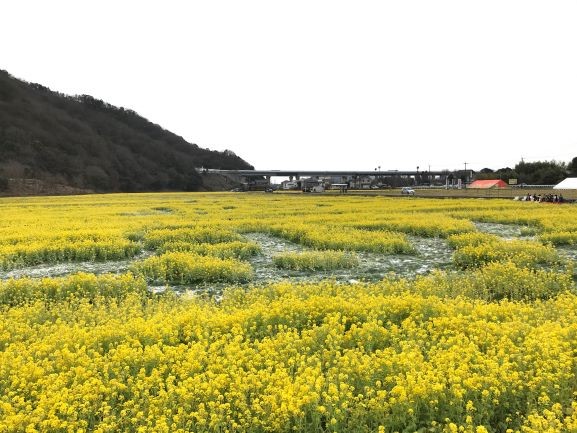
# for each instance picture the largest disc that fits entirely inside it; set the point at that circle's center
(86, 144)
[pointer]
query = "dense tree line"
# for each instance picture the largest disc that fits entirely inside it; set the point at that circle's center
(87, 143)
(533, 173)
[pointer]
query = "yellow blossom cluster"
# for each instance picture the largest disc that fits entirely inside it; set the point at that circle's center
(59, 250)
(113, 227)
(489, 346)
(224, 250)
(423, 224)
(157, 238)
(290, 357)
(188, 268)
(478, 249)
(343, 238)
(82, 285)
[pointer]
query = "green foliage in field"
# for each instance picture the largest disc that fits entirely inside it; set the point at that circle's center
(79, 286)
(62, 250)
(316, 260)
(157, 238)
(478, 249)
(224, 250)
(189, 268)
(343, 238)
(497, 281)
(425, 225)
(559, 238)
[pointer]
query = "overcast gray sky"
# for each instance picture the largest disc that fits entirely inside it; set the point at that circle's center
(320, 84)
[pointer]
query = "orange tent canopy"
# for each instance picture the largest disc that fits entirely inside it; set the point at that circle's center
(493, 183)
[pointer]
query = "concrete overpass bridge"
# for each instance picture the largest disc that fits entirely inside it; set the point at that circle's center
(324, 173)
(418, 176)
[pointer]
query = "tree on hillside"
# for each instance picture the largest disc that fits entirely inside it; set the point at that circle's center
(505, 174)
(541, 172)
(572, 167)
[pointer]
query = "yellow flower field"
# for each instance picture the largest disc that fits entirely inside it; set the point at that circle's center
(488, 344)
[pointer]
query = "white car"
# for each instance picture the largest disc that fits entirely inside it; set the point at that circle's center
(407, 191)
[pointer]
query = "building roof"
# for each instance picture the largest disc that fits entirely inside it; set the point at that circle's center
(492, 183)
(569, 183)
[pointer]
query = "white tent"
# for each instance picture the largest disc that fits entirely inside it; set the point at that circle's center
(569, 183)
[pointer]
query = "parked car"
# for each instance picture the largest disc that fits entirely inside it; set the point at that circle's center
(407, 191)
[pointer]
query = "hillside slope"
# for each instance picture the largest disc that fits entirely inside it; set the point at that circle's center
(82, 144)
